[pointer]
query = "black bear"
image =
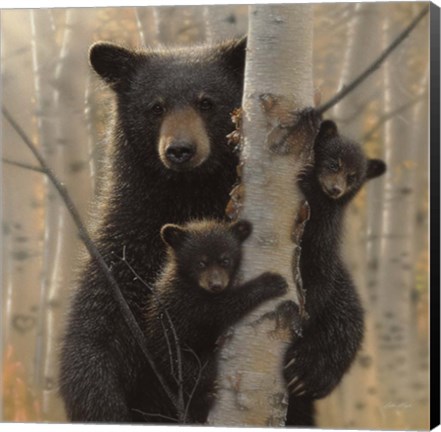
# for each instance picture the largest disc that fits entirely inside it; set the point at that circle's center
(195, 299)
(333, 332)
(168, 162)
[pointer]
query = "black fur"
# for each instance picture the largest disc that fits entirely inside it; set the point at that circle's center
(102, 369)
(199, 316)
(334, 330)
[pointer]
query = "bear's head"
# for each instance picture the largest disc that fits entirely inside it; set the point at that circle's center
(174, 105)
(341, 166)
(206, 254)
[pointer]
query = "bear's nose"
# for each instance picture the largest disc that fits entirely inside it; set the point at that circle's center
(336, 191)
(216, 287)
(180, 151)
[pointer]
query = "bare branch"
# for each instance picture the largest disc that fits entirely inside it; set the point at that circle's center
(198, 379)
(390, 115)
(154, 415)
(93, 251)
(23, 165)
(375, 65)
(180, 402)
(170, 353)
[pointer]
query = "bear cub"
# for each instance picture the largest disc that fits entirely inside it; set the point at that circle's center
(195, 299)
(333, 332)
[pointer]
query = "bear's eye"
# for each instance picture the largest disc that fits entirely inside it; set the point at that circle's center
(351, 178)
(205, 104)
(158, 109)
(334, 166)
(202, 264)
(225, 262)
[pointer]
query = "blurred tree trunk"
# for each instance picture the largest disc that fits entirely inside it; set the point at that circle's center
(23, 192)
(395, 284)
(179, 25)
(419, 331)
(279, 62)
(60, 83)
(145, 23)
(225, 22)
(44, 61)
(355, 399)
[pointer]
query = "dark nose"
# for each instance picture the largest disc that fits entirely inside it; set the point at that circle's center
(216, 287)
(335, 191)
(180, 151)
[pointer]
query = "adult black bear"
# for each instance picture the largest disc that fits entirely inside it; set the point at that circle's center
(169, 162)
(195, 300)
(316, 362)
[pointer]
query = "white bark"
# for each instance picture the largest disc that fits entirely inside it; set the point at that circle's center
(44, 57)
(279, 61)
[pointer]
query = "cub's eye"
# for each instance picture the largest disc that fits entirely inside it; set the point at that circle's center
(225, 262)
(205, 104)
(202, 264)
(334, 166)
(351, 178)
(158, 109)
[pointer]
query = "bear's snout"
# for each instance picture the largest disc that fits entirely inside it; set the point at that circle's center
(180, 151)
(183, 141)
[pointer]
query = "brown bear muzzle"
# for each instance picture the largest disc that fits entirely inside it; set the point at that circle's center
(183, 140)
(214, 279)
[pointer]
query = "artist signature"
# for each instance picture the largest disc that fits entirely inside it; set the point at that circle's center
(397, 405)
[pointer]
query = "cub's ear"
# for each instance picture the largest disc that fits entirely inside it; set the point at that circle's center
(112, 62)
(375, 168)
(173, 235)
(241, 229)
(328, 129)
(233, 54)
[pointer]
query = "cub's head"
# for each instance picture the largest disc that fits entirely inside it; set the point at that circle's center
(341, 166)
(206, 254)
(174, 105)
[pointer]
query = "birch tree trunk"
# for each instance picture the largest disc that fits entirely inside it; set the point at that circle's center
(61, 76)
(279, 62)
(145, 23)
(395, 283)
(22, 196)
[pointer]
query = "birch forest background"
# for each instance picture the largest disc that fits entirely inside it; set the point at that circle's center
(49, 89)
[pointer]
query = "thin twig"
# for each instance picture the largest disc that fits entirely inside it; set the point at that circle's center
(93, 251)
(154, 415)
(170, 353)
(390, 115)
(375, 65)
(198, 379)
(23, 165)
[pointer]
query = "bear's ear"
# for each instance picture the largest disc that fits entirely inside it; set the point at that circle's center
(112, 62)
(233, 54)
(328, 129)
(173, 235)
(375, 168)
(241, 229)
